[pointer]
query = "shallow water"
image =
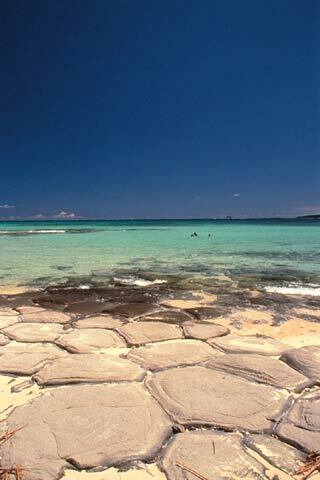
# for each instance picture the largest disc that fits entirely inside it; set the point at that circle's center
(267, 253)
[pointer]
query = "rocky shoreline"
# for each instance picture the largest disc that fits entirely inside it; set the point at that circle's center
(132, 383)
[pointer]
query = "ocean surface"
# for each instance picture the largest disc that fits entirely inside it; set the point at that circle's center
(275, 255)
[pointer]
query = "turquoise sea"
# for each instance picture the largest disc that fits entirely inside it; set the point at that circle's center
(276, 255)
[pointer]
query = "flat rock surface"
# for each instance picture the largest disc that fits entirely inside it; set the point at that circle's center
(278, 453)
(206, 313)
(3, 340)
(301, 425)
(250, 344)
(88, 368)
(172, 353)
(7, 320)
(306, 360)
(88, 340)
(138, 333)
(210, 455)
(202, 331)
(99, 321)
(39, 315)
(130, 309)
(258, 368)
(7, 312)
(90, 426)
(169, 316)
(34, 332)
(26, 359)
(201, 396)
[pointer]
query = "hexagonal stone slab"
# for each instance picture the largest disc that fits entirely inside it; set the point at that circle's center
(88, 340)
(207, 313)
(7, 320)
(301, 425)
(99, 321)
(138, 333)
(89, 425)
(168, 316)
(203, 331)
(39, 315)
(277, 453)
(210, 455)
(88, 368)
(7, 312)
(250, 344)
(201, 396)
(130, 309)
(259, 368)
(3, 340)
(26, 359)
(172, 353)
(34, 332)
(305, 359)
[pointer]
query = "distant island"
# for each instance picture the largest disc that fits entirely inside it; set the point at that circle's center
(309, 217)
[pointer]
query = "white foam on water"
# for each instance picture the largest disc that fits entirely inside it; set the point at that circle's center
(46, 231)
(84, 287)
(310, 289)
(138, 282)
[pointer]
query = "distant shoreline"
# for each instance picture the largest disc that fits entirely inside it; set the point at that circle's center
(231, 219)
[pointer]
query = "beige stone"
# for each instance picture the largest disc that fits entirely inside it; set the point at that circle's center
(89, 425)
(249, 344)
(259, 368)
(40, 315)
(210, 455)
(88, 340)
(34, 332)
(88, 368)
(200, 396)
(305, 359)
(172, 353)
(203, 331)
(139, 333)
(99, 321)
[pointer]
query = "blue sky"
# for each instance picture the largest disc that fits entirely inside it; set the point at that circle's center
(149, 109)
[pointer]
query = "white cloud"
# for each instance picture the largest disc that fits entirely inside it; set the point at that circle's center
(236, 194)
(63, 215)
(39, 216)
(7, 206)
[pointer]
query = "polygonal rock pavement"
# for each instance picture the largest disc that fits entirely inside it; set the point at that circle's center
(277, 453)
(301, 425)
(258, 368)
(138, 333)
(168, 316)
(34, 332)
(206, 313)
(7, 320)
(172, 353)
(99, 321)
(201, 396)
(305, 359)
(88, 340)
(39, 315)
(210, 455)
(88, 368)
(3, 340)
(89, 426)
(26, 359)
(250, 344)
(202, 331)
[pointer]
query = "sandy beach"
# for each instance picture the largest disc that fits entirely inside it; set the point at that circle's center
(143, 383)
